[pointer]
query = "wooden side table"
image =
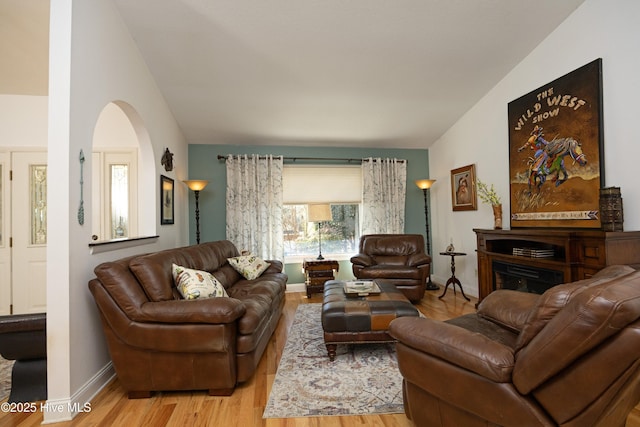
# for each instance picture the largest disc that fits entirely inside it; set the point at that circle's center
(453, 279)
(318, 271)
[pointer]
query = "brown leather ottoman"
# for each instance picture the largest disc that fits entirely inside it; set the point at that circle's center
(364, 319)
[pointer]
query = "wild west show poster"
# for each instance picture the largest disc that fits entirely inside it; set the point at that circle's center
(555, 152)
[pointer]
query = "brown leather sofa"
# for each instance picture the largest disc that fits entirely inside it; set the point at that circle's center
(159, 341)
(399, 258)
(569, 357)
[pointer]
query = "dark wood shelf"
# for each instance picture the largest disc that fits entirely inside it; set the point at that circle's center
(577, 253)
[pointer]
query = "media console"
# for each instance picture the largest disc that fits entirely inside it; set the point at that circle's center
(533, 260)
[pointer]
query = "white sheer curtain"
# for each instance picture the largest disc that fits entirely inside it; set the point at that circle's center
(384, 183)
(254, 204)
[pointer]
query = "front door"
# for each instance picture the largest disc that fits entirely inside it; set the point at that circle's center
(5, 227)
(29, 232)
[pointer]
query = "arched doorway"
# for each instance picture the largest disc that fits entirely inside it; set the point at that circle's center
(122, 174)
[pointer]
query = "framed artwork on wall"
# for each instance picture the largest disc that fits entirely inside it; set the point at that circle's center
(556, 162)
(463, 189)
(166, 200)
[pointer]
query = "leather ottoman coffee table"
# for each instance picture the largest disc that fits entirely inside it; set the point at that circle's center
(350, 319)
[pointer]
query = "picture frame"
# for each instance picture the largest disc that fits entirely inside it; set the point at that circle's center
(556, 152)
(464, 196)
(166, 200)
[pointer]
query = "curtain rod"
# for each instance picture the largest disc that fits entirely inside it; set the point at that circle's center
(324, 159)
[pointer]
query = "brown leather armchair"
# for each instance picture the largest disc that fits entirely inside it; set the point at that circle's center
(569, 357)
(399, 258)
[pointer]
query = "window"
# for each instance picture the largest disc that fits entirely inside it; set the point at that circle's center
(119, 200)
(114, 194)
(339, 236)
(339, 186)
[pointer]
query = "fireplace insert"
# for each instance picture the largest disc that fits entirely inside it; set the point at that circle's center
(524, 278)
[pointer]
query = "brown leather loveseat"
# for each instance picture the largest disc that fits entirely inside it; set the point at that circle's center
(159, 341)
(570, 357)
(399, 258)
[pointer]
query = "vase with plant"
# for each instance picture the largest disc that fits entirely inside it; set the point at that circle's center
(488, 195)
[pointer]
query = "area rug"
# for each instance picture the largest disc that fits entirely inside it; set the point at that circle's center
(363, 379)
(5, 377)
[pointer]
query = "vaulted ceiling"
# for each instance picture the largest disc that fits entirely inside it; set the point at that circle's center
(373, 73)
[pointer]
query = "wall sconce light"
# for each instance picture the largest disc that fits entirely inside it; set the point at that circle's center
(197, 185)
(425, 185)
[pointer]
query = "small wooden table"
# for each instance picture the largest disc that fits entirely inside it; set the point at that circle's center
(453, 279)
(317, 272)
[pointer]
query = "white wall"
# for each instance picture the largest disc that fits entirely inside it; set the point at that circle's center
(94, 61)
(23, 121)
(597, 29)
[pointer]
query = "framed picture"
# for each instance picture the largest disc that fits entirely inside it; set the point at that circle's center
(166, 200)
(556, 157)
(463, 189)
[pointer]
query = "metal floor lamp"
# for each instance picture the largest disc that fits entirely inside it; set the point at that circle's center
(425, 185)
(197, 185)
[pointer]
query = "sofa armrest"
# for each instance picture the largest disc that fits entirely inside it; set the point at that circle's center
(458, 346)
(508, 308)
(275, 266)
(419, 259)
(210, 310)
(362, 259)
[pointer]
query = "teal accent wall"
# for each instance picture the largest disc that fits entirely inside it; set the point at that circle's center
(204, 164)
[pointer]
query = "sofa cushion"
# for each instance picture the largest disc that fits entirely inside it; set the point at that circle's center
(259, 298)
(554, 299)
(587, 321)
(386, 271)
(196, 284)
(508, 308)
(250, 266)
(153, 271)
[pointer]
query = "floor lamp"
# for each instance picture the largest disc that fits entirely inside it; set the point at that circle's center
(197, 185)
(425, 185)
(319, 213)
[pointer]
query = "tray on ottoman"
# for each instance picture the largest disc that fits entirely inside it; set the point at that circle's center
(361, 288)
(361, 319)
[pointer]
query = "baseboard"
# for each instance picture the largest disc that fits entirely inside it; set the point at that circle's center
(296, 287)
(58, 410)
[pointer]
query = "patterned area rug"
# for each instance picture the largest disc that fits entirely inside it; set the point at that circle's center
(364, 378)
(5, 377)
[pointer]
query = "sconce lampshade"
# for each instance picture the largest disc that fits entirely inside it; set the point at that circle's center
(319, 212)
(196, 184)
(425, 184)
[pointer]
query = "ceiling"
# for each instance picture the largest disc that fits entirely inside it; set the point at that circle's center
(358, 73)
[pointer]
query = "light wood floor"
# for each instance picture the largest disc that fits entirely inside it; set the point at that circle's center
(245, 407)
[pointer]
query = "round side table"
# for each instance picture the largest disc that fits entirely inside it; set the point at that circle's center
(453, 279)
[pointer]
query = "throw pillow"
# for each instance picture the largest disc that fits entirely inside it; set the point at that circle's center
(196, 284)
(250, 266)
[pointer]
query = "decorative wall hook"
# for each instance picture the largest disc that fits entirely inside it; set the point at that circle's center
(81, 208)
(167, 160)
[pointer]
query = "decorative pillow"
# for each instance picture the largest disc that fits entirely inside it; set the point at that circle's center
(196, 284)
(250, 266)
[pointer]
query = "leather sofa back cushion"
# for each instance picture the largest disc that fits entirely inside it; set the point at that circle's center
(122, 285)
(553, 300)
(508, 308)
(589, 318)
(153, 271)
(392, 247)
